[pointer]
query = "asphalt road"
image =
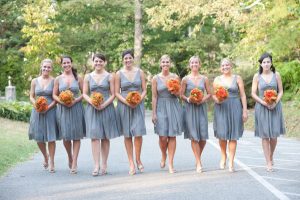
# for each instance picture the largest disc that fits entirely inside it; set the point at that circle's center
(29, 181)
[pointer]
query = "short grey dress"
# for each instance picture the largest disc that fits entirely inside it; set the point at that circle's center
(268, 123)
(101, 124)
(43, 127)
(195, 116)
(131, 120)
(228, 116)
(169, 112)
(70, 121)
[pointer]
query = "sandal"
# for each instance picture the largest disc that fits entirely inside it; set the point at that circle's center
(103, 172)
(140, 168)
(73, 171)
(51, 170)
(95, 173)
(172, 170)
(131, 172)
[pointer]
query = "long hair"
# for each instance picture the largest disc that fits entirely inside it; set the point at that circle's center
(260, 60)
(74, 71)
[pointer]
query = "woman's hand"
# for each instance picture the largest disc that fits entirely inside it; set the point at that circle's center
(245, 115)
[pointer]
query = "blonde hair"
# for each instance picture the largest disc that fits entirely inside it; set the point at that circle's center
(47, 60)
(226, 60)
(165, 57)
(195, 57)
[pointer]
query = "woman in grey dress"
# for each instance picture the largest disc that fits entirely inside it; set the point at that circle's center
(100, 120)
(131, 118)
(195, 114)
(70, 118)
(269, 123)
(229, 114)
(166, 112)
(43, 127)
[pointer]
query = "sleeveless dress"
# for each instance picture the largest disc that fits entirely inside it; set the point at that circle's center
(70, 121)
(195, 116)
(228, 116)
(101, 124)
(169, 112)
(131, 120)
(268, 123)
(43, 127)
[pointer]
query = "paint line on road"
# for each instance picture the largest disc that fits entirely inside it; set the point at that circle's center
(281, 168)
(281, 179)
(284, 160)
(290, 153)
(292, 194)
(257, 177)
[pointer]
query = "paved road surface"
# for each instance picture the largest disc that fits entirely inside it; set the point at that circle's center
(251, 181)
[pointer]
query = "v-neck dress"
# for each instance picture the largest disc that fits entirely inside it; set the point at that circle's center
(195, 116)
(101, 124)
(268, 123)
(228, 116)
(131, 120)
(169, 112)
(70, 120)
(43, 126)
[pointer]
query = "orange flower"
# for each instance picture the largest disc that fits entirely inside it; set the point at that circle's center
(173, 86)
(133, 98)
(97, 98)
(196, 95)
(270, 96)
(66, 96)
(221, 93)
(41, 104)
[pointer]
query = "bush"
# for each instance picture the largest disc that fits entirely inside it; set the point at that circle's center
(290, 75)
(19, 111)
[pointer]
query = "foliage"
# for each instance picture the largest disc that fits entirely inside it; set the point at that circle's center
(10, 42)
(41, 32)
(19, 111)
(258, 25)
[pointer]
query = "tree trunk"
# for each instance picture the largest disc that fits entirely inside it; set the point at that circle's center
(138, 33)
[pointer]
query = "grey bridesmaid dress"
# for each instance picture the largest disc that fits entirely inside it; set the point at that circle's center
(228, 116)
(131, 120)
(71, 124)
(43, 126)
(169, 112)
(195, 116)
(101, 124)
(268, 123)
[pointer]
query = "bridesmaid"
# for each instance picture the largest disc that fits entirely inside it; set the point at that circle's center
(166, 112)
(43, 127)
(229, 114)
(195, 114)
(131, 118)
(101, 120)
(70, 118)
(269, 123)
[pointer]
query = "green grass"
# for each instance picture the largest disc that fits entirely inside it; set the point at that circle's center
(14, 144)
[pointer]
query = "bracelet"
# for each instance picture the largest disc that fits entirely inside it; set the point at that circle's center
(188, 100)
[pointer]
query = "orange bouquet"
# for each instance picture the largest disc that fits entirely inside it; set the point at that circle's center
(196, 95)
(97, 98)
(173, 85)
(270, 96)
(221, 93)
(41, 104)
(133, 98)
(66, 96)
